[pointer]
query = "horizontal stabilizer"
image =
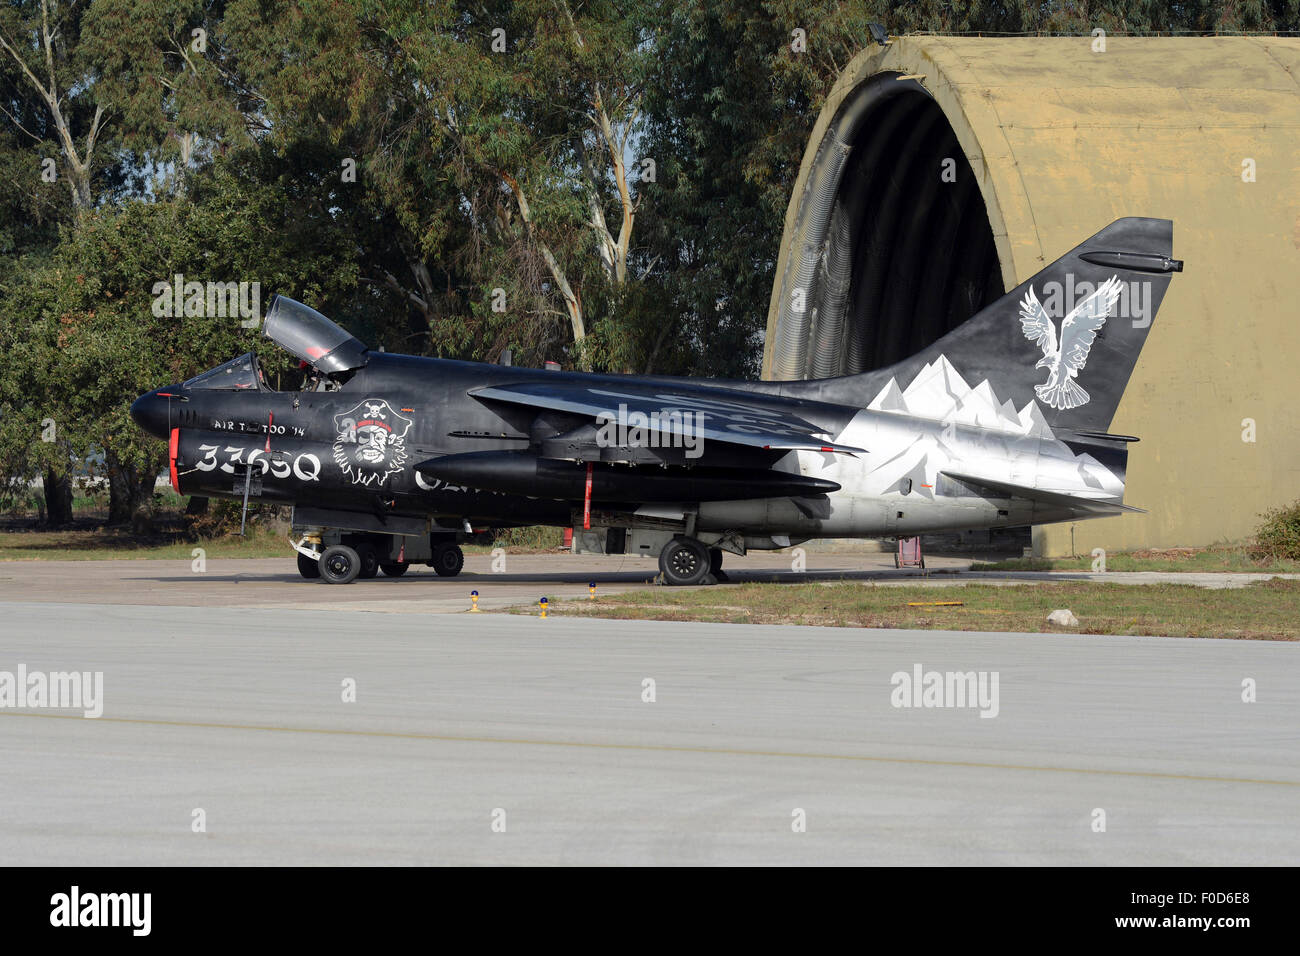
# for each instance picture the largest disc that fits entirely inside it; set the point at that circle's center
(1077, 434)
(1092, 506)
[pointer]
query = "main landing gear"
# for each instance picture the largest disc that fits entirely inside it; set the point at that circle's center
(685, 562)
(715, 564)
(394, 569)
(447, 560)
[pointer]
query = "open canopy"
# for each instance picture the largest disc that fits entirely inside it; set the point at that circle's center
(306, 333)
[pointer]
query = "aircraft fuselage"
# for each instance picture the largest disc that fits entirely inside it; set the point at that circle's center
(305, 447)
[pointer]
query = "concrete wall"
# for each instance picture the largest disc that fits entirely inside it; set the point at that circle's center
(1062, 141)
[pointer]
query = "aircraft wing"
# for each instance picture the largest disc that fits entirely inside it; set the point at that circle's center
(1096, 506)
(734, 418)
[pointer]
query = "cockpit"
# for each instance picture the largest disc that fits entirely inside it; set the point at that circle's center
(327, 352)
(329, 357)
(241, 374)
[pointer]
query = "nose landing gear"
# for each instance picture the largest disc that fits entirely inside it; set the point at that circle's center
(343, 557)
(309, 568)
(339, 564)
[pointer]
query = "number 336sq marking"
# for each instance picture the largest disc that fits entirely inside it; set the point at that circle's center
(305, 467)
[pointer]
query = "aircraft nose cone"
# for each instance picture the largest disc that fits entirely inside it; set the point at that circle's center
(151, 413)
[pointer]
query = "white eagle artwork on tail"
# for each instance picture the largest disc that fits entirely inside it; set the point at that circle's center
(1065, 358)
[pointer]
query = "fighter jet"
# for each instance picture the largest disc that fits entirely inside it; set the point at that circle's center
(391, 459)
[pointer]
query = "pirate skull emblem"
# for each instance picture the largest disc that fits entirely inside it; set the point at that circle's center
(370, 443)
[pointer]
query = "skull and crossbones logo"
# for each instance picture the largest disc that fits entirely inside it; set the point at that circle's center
(370, 443)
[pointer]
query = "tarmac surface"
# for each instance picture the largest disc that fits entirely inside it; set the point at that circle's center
(220, 706)
(274, 582)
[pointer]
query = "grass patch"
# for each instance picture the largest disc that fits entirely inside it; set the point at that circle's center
(106, 544)
(174, 541)
(1265, 610)
(1155, 559)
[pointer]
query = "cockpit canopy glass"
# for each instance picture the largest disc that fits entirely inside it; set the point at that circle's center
(310, 336)
(241, 374)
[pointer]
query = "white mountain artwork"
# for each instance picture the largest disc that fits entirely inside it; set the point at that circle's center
(940, 394)
(1066, 357)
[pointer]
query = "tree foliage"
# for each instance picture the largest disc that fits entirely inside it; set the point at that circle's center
(600, 182)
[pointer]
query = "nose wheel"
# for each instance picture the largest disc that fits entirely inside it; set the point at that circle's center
(309, 568)
(339, 565)
(369, 562)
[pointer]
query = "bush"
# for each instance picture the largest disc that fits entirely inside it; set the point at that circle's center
(534, 538)
(223, 516)
(1279, 536)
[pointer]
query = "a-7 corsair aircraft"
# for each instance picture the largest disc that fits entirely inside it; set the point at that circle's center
(391, 459)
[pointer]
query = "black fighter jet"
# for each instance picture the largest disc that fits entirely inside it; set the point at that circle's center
(392, 459)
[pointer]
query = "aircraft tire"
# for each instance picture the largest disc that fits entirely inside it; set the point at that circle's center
(369, 562)
(394, 569)
(684, 562)
(447, 560)
(339, 565)
(715, 565)
(309, 568)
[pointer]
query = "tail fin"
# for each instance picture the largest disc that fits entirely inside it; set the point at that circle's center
(1084, 319)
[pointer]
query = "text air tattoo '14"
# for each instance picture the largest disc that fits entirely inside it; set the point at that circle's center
(391, 459)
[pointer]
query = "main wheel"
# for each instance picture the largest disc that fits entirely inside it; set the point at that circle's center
(309, 568)
(447, 560)
(684, 562)
(394, 569)
(339, 565)
(715, 564)
(369, 561)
